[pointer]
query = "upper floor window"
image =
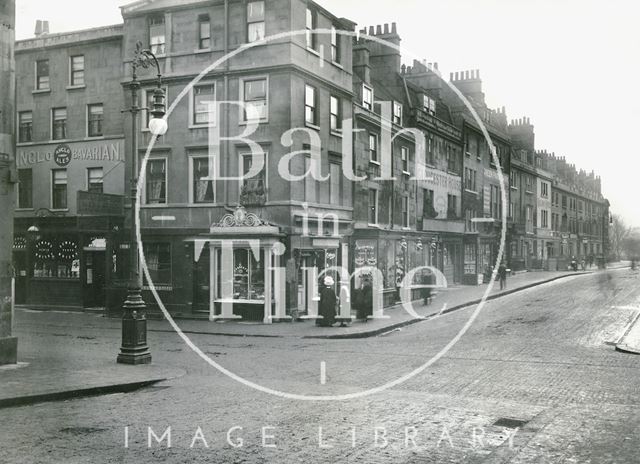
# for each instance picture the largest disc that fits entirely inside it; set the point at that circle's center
(204, 97)
(336, 40)
(404, 155)
(95, 115)
(256, 186)
(544, 187)
(255, 21)
(310, 105)
(42, 74)
(58, 123)
(430, 153)
(156, 182)
(513, 180)
(202, 187)
(76, 71)
(336, 114)
(428, 210)
(470, 179)
(25, 126)
(255, 97)
(94, 180)
(157, 35)
(529, 181)
(204, 32)
(367, 97)
(397, 113)
(429, 104)
(373, 206)
(335, 183)
(311, 24)
(58, 188)
(405, 211)
(373, 147)
(25, 188)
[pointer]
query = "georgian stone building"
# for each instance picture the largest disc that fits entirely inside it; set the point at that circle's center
(482, 195)
(399, 173)
(300, 81)
(70, 158)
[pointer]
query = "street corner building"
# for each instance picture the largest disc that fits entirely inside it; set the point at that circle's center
(428, 191)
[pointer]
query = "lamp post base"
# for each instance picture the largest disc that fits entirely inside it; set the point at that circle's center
(134, 348)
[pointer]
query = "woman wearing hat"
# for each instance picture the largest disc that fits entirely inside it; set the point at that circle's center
(327, 306)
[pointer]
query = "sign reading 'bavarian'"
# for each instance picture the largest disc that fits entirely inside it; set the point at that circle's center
(67, 153)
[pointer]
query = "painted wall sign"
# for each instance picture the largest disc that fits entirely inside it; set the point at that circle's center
(103, 150)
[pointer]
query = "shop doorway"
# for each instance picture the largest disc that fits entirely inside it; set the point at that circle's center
(93, 292)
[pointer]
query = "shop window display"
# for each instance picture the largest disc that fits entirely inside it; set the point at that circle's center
(248, 275)
(56, 258)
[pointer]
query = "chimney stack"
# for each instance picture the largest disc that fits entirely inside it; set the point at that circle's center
(42, 28)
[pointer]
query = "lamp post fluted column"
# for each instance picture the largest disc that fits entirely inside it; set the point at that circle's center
(134, 348)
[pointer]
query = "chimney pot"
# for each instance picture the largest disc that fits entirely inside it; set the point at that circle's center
(435, 65)
(393, 28)
(451, 77)
(38, 30)
(45, 27)
(386, 28)
(378, 29)
(372, 30)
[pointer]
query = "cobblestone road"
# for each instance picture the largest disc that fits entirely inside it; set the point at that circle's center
(543, 356)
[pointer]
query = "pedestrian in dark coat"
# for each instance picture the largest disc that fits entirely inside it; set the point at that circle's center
(328, 302)
(366, 301)
(502, 274)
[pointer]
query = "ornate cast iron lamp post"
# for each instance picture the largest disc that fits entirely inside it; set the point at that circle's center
(134, 348)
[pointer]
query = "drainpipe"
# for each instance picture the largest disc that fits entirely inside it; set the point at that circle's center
(225, 160)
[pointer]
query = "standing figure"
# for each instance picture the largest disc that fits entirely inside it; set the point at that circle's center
(327, 306)
(366, 299)
(502, 274)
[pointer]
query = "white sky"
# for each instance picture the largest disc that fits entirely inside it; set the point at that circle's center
(571, 66)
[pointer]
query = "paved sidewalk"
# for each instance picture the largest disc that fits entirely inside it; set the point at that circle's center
(445, 301)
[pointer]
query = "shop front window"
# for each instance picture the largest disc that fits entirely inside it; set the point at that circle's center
(248, 275)
(366, 254)
(470, 258)
(401, 261)
(56, 258)
(158, 259)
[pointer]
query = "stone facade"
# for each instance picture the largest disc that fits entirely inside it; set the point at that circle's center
(429, 190)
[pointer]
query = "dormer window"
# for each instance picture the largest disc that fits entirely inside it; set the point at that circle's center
(397, 113)
(429, 104)
(367, 97)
